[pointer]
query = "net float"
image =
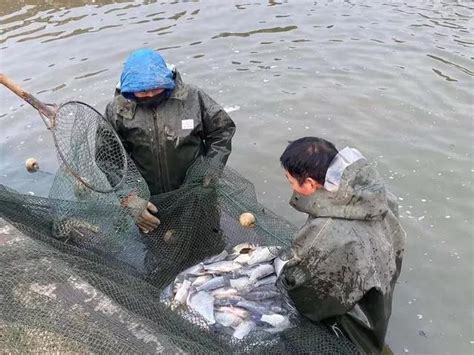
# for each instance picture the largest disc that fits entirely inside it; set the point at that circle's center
(32, 165)
(247, 219)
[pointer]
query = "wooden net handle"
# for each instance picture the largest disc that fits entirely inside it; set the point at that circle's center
(33, 101)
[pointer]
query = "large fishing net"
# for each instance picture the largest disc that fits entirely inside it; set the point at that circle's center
(77, 275)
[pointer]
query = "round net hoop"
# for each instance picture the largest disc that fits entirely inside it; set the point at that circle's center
(89, 148)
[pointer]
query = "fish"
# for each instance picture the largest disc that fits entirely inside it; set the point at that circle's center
(225, 292)
(203, 303)
(242, 258)
(253, 307)
(223, 266)
(279, 265)
(264, 287)
(243, 329)
(262, 254)
(167, 293)
(213, 283)
(278, 321)
(261, 295)
(243, 248)
(269, 280)
(219, 257)
(243, 271)
(75, 229)
(191, 278)
(227, 300)
(261, 271)
(277, 309)
(193, 270)
(212, 274)
(201, 280)
(238, 311)
(227, 319)
(179, 279)
(241, 283)
(182, 292)
(235, 291)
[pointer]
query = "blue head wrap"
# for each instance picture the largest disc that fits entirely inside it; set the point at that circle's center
(145, 69)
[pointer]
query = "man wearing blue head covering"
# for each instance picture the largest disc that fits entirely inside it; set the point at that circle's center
(165, 125)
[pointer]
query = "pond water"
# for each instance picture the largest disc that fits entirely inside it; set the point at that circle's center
(391, 78)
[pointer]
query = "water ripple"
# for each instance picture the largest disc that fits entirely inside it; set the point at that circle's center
(88, 75)
(177, 16)
(166, 48)
(263, 30)
(457, 66)
(50, 34)
(121, 8)
(77, 32)
(161, 29)
(438, 72)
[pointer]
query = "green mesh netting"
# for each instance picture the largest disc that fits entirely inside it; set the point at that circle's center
(80, 277)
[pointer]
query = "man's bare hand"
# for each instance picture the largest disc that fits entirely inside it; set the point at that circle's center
(146, 221)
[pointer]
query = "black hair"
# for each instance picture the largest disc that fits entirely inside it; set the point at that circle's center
(308, 157)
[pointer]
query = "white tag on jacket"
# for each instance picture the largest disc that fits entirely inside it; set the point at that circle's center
(187, 124)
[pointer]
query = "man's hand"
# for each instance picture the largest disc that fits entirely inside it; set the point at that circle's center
(146, 221)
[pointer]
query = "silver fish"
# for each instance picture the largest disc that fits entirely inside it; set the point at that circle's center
(236, 291)
(261, 271)
(243, 329)
(241, 283)
(242, 258)
(203, 303)
(201, 280)
(278, 309)
(214, 283)
(227, 319)
(193, 270)
(207, 273)
(223, 266)
(243, 271)
(262, 295)
(265, 287)
(167, 293)
(253, 307)
(277, 321)
(191, 278)
(279, 264)
(219, 257)
(270, 280)
(243, 248)
(232, 256)
(179, 279)
(225, 292)
(272, 330)
(262, 254)
(237, 311)
(182, 292)
(227, 300)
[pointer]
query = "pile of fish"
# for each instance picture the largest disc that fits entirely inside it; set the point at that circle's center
(235, 292)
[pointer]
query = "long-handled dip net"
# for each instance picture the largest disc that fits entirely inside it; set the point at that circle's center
(95, 170)
(77, 276)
